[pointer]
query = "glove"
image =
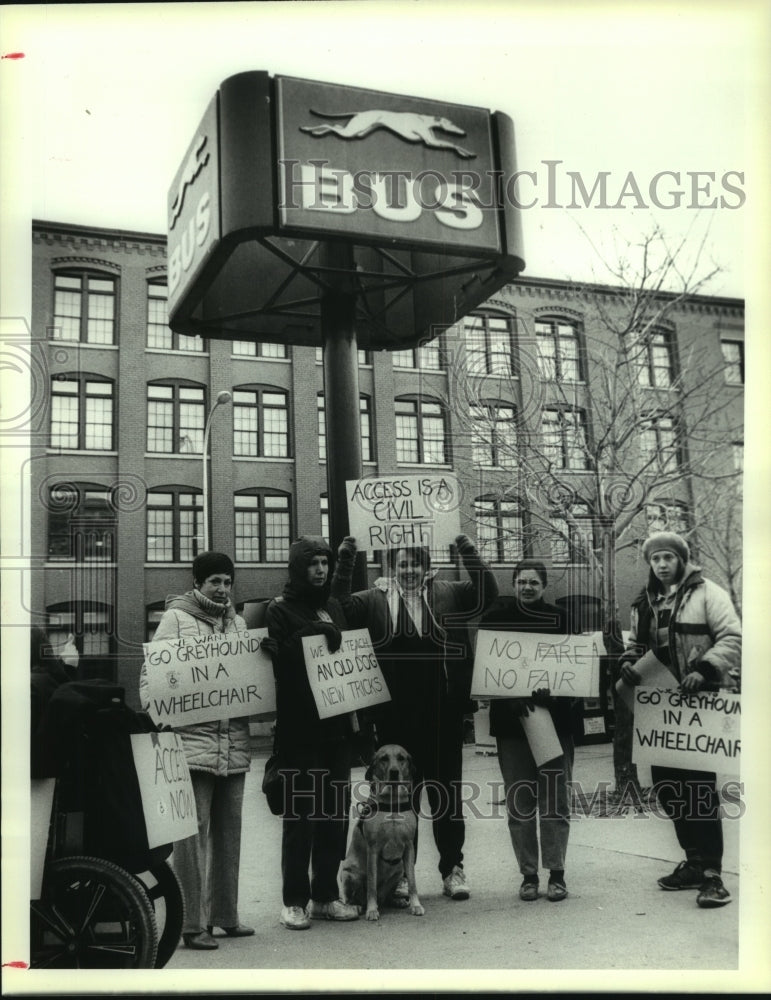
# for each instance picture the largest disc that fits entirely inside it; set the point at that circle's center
(269, 646)
(332, 633)
(541, 696)
(465, 546)
(520, 707)
(346, 551)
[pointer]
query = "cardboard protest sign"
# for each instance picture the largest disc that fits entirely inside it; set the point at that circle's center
(514, 664)
(346, 680)
(698, 731)
(394, 511)
(220, 675)
(41, 802)
(165, 787)
(541, 735)
(653, 673)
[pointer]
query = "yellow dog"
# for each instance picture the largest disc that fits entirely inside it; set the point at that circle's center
(382, 848)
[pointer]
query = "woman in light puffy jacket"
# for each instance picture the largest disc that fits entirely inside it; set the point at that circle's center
(218, 757)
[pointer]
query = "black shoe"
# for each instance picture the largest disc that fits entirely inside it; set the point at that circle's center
(200, 941)
(238, 931)
(686, 876)
(713, 893)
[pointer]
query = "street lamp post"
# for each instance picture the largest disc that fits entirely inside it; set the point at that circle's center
(222, 397)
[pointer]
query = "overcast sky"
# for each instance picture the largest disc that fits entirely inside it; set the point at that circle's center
(100, 109)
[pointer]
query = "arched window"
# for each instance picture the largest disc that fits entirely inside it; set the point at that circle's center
(82, 411)
(563, 432)
(84, 306)
(494, 434)
(174, 524)
(260, 422)
(652, 353)
(159, 334)
(421, 431)
(489, 344)
(559, 349)
(82, 523)
(500, 528)
(176, 417)
(263, 526)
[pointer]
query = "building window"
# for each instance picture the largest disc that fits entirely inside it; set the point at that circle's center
(82, 523)
(159, 334)
(174, 524)
(559, 357)
(666, 515)
(260, 422)
(659, 441)
(90, 622)
(427, 357)
(733, 361)
(84, 308)
(653, 356)
(258, 349)
(176, 417)
(500, 528)
(82, 412)
(564, 438)
(365, 427)
(572, 538)
(489, 344)
(363, 357)
(494, 435)
(263, 528)
(421, 437)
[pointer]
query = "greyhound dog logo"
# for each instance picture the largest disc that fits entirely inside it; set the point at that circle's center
(407, 125)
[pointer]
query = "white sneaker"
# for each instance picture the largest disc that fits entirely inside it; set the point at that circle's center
(455, 885)
(336, 910)
(295, 918)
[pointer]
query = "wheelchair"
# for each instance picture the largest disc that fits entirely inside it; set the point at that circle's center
(107, 900)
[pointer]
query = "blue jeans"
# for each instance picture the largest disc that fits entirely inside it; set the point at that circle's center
(537, 797)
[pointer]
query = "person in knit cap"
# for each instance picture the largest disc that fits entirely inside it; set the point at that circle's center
(691, 625)
(314, 753)
(218, 756)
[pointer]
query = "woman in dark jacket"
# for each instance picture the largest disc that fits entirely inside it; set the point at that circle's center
(315, 753)
(534, 793)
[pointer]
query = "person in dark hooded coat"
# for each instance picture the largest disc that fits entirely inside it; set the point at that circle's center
(315, 754)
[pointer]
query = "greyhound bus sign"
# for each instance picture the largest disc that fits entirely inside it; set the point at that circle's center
(359, 162)
(282, 170)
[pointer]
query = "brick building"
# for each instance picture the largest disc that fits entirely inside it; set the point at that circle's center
(508, 400)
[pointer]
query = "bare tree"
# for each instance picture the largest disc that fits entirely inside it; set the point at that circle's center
(617, 432)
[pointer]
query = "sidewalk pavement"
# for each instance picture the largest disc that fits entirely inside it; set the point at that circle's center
(615, 918)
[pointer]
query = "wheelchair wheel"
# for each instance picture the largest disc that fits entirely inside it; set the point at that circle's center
(165, 893)
(93, 915)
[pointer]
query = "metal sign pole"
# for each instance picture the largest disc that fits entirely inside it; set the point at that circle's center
(341, 393)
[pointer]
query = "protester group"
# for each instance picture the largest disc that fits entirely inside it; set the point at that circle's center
(422, 629)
